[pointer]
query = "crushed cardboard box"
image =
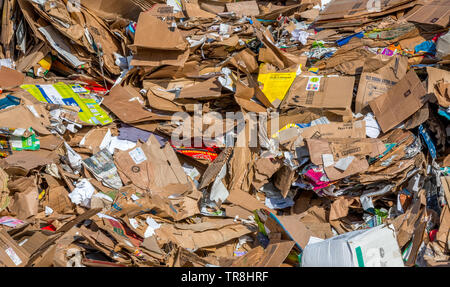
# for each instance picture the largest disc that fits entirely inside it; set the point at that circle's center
(140, 133)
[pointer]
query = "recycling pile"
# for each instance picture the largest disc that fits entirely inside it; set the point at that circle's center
(217, 133)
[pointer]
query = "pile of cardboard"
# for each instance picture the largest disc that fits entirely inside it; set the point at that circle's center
(222, 133)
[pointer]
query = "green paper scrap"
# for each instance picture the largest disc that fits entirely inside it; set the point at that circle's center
(19, 143)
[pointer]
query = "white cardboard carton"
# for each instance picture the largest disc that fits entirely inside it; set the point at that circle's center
(375, 247)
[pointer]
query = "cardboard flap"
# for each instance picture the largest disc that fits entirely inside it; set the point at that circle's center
(400, 102)
(153, 33)
(10, 78)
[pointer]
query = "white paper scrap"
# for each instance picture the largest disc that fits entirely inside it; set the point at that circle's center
(138, 155)
(152, 226)
(328, 160)
(344, 163)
